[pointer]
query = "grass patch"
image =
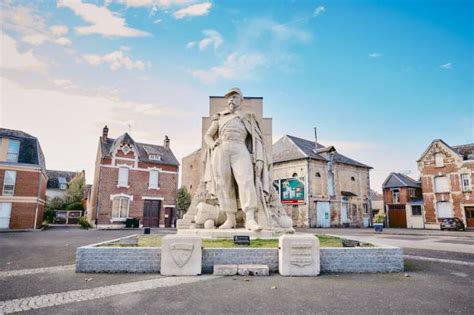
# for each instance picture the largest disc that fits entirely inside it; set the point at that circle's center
(155, 241)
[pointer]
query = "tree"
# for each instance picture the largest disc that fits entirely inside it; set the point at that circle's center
(76, 188)
(183, 201)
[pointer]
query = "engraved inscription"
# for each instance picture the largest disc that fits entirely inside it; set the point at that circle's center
(301, 254)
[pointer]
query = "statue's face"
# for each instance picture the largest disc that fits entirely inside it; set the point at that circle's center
(234, 102)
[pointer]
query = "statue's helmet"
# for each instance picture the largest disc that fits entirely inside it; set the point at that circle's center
(234, 91)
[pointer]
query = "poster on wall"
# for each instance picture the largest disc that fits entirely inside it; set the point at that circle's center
(292, 191)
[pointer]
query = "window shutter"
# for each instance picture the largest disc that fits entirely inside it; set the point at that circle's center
(441, 184)
(153, 180)
(444, 210)
(123, 176)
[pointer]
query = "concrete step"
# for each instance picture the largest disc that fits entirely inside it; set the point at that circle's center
(242, 270)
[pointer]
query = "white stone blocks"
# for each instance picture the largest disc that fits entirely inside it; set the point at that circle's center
(181, 255)
(225, 270)
(253, 270)
(299, 255)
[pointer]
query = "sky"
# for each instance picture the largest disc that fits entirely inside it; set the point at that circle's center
(379, 79)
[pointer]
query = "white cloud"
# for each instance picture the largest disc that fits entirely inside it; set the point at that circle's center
(11, 58)
(256, 30)
(319, 10)
(59, 30)
(150, 3)
(447, 66)
(191, 44)
(64, 84)
(116, 60)
(193, 10)
(157, 21)
(375, 55)
(211, 38)
(236, 66)
(102, 21)
(32, 27)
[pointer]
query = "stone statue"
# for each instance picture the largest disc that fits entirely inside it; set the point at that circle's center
(237, 174)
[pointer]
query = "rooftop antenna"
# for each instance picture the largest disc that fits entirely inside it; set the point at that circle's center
(315, 139)
(129, 128)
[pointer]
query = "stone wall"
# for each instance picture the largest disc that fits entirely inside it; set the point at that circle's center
(118, 259)
(148, 259)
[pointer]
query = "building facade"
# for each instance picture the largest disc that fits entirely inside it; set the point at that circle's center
(403, 202)
(133, 180)
(447, 173)
(320, 187)
(23, 178)
(58, 182)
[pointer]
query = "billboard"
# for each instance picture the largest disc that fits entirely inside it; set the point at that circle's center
(292, 191)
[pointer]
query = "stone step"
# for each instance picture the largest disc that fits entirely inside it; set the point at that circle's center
(242, 270)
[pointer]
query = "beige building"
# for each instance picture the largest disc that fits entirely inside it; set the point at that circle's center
(320, 187)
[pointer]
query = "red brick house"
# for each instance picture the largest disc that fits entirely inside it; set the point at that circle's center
(447, 173)
(23, 179)
(133, 180)
(403, 201)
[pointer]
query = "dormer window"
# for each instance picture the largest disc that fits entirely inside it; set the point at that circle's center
(62, 183)
(154, 157)
(13, 150)
(439, 159)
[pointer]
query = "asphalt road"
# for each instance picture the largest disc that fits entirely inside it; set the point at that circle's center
(425, 287)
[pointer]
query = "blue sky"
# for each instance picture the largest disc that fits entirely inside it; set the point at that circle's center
(380, 79)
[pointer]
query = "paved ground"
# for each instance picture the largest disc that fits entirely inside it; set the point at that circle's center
(426, 286)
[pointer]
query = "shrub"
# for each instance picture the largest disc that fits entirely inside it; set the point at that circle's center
(84, 223)
(56, 203)
(49, 215)
(379, 218)
(75, 206)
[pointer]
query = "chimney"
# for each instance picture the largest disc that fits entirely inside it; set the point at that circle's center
(105, 133)
(315, 139)
(166, 143)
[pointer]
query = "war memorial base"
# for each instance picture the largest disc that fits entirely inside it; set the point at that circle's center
(297, 255)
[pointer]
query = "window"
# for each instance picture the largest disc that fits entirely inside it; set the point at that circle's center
(439, 160)
(13, 150)
(318, 174)
(396, 195)
(465, 184)
(353, 178)
(415, 210)
(155, 157)
(412, 192)
(5, 214)
(62, 183)
(294, 175)
(9, 183)
(443, 210)
(123, 177)
(153, 180)
(366, 208)
(441, 184)
(120, 207)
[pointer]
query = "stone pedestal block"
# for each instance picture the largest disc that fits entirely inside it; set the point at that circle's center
(181, 255)
(253, 270)
(299, 255)
(225, 270)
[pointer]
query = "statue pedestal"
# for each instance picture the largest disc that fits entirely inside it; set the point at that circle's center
(230, 233)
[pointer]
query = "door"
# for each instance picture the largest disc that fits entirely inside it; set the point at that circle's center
(5, 214)
(469, 216)
(169, 216)
(397, 217)
(322, 214)
(344, 219)
(151, 213)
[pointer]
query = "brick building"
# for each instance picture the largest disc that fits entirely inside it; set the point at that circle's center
(133, 180)
(403, 202)
(23, 178)
(447, 173)
(320, 187)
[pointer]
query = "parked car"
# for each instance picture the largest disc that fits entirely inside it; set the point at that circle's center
(452, 224)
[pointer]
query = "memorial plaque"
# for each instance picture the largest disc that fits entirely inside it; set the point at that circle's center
(242, 240)
(299, 255)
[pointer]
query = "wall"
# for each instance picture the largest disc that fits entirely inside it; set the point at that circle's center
(414, 221)
(191, 171)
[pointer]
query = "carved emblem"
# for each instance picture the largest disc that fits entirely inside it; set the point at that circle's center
(181, 252)
(301, 254)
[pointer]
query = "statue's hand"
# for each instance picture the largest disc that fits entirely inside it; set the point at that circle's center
(258, 168)
(216, 143)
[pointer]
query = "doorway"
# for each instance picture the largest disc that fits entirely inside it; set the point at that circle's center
(151, 213)
(5, 214)
(322, 214)
(169, 216)
(469, 217)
